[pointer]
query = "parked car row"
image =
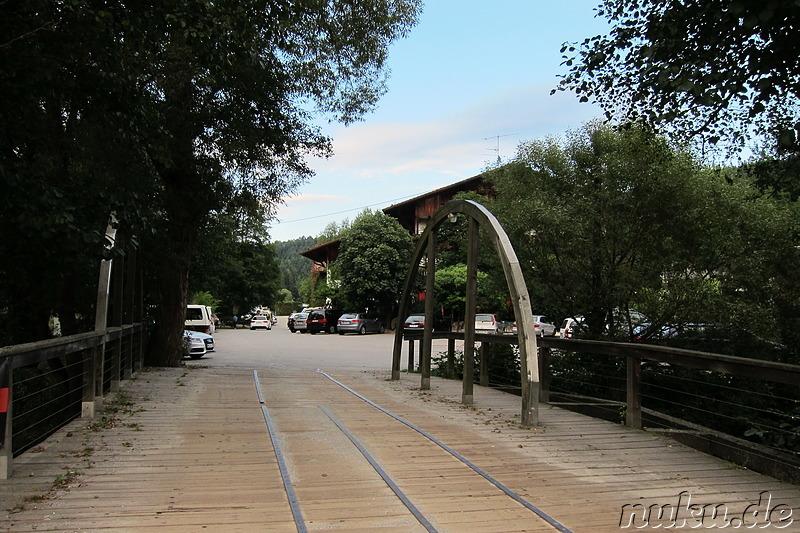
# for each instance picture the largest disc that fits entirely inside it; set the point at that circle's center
(318, 320)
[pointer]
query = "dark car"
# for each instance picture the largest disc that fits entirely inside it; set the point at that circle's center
(414, 323)
(360, 323)
(323, 320)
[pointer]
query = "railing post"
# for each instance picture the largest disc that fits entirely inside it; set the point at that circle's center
(6, 416)
(128, 311)
(470, 307)
(117, 311)
(101, 312)
(410, 355)
(633, 414)
(89, 404)
(484, 377)
(430, 300)
(544, 374)
(451, 358)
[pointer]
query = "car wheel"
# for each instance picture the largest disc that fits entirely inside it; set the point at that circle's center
(331, 329)
(381, 329)
(196, 356)
(363, 330)
(341, 333)
(251, 329)
(313, 332)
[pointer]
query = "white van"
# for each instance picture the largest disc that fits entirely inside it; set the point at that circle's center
(199, 318)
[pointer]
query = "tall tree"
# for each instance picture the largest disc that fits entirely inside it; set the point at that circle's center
(373, 259)
(230, 82)
(719, 68)
(68, 158)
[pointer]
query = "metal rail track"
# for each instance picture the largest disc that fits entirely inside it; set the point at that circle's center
(421, 518)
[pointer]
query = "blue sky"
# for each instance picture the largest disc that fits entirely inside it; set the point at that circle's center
(472, 80)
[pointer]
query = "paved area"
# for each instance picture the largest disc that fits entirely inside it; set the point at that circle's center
(188, 449)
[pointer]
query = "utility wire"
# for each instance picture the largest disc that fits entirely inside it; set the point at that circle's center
(341, 212)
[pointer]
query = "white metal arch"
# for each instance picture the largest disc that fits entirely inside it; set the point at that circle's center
(479, 216)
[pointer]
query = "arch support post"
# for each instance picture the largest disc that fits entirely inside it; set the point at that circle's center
(471, 305)
(430, 301)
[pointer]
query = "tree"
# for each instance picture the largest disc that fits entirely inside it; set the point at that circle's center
(451, 291)
(237, 265)
(718, 68)
(373, 260)
(68, 159)
(294, 267)
(228, 95)
(614, 219)
(191, 106)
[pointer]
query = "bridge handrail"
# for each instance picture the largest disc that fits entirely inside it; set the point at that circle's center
(101, 359)
(728, 364)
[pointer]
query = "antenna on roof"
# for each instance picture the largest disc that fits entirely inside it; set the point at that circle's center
(497, 138)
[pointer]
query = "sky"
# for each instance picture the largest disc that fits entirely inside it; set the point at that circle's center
(470, 82)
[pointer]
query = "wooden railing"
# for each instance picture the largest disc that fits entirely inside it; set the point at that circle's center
(46, 384)
(52, 382)
(635, 357)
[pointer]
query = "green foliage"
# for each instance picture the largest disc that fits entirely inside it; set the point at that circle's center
(284, 296)
(450, 287)
(717, 68)
(373, 261)
(204, 298)
(236, 266)
(503, 365)
(619, 219)
(293, 266)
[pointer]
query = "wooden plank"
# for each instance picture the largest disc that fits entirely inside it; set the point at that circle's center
(198, 457)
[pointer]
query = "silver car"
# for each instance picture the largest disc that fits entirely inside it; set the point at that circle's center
(486, 323)
(300, 323)
(360, 323)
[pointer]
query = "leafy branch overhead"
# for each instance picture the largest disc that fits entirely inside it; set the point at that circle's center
(718, 68)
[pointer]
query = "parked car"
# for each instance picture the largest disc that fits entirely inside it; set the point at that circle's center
(199, 318)
(414, 323)
(542, 326)
(569, 326)
(654, 333)
(197, 344)
(488, 323)
(323, 320)
(299, 323)
(360, 323)
(261, 321)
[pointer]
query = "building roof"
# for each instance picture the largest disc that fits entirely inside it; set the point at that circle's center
(323, 253)
(453, 188)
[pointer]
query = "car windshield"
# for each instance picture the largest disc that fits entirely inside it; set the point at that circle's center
(484, 318)
(259, 317)
(349, 316)
(415, 318)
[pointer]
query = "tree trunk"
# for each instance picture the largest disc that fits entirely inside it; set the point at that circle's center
(185, 208)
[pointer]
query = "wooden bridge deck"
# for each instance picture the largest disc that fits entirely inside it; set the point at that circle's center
(192, 452)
